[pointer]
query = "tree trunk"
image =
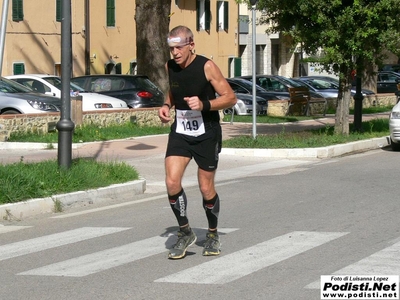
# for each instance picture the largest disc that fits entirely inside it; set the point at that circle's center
(152, 27)
(343, 102)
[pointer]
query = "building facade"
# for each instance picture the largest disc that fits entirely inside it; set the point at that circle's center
(104, 34)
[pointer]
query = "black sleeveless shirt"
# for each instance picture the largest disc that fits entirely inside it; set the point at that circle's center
(192, 81)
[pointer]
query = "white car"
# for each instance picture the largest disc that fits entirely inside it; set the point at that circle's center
(51, 85)
(394, 127)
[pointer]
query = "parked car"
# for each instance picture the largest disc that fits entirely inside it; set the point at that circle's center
(51, 85)
(328, 85)
(394, 127)
(278, 84)
(245, 87)
(136, 90)
(387, 82)
(17, 99)
(244, 106)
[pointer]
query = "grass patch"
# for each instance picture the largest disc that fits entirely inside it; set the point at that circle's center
(92, 133)
(311, 138)
(23, 181)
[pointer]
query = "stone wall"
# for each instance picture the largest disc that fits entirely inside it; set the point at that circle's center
(47, 122)
(280, 107)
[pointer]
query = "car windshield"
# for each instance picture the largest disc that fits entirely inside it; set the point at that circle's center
(9, 86)
(56, 81)
(249, 85)
(322, 84)
(290, 82)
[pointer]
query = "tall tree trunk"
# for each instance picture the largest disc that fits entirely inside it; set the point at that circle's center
(152, 27)
(343, 102)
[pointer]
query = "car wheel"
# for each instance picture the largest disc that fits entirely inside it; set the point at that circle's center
(10, 112)
(228, 111)
(395, 146)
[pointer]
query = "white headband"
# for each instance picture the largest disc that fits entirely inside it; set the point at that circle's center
(177, 41)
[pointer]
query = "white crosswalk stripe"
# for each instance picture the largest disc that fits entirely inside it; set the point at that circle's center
(384, 262)
(226, 268)
(110, 258)
(244, 262)
(54, 240)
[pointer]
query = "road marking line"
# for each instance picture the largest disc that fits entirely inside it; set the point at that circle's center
(54, 240)
(5, 229)
(233, 266)
(384, 262)
(107, 259)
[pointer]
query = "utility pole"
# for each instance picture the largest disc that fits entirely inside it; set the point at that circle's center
(253, 52)
(3, 32)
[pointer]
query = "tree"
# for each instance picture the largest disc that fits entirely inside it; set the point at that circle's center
(152, 27)
(353, 35)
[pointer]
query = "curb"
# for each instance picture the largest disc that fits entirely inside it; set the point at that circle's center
(20, 210)
(320, 152)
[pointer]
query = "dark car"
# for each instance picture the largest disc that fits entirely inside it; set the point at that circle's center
(18, 99)
(242, 86)
(136, 90)
(279, 85)
(387, 82)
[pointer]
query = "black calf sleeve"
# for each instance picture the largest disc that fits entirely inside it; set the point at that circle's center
(211, 208)
(178, 204)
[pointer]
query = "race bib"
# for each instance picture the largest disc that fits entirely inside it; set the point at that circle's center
(189, 122)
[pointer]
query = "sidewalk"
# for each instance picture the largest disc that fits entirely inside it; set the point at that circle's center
(144, 153)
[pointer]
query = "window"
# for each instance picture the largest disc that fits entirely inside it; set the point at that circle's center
(110, 13)
(244, 24)
(58, 11)
(133, 68)
(18, 68)
(222, 15)
(17, 10)
(203, 18)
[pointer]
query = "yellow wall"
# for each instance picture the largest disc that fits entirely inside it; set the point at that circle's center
(36, 41)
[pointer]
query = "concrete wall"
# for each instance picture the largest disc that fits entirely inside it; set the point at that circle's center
(44, 123)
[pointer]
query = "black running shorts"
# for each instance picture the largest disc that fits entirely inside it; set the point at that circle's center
(204, 148)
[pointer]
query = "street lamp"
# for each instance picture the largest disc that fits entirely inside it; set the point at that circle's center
(253, 51)
(65, 126)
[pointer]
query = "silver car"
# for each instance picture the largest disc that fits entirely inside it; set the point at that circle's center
(51, 85)
(394, 127)
(17, 99)
(244, 106)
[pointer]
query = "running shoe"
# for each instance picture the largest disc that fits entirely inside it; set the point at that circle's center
(212, 246)
(184, 241)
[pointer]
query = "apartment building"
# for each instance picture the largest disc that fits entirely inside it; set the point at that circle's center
(104, 34)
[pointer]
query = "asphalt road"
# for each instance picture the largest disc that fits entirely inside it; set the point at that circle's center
(283, 224)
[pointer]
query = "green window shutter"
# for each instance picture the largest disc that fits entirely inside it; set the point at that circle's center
(110, 13)
(17, 10)
(118, 68)
(58, 11)
(237, 66)
(19, 68)
(198, 15)
(207, 12)
(226, 15)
